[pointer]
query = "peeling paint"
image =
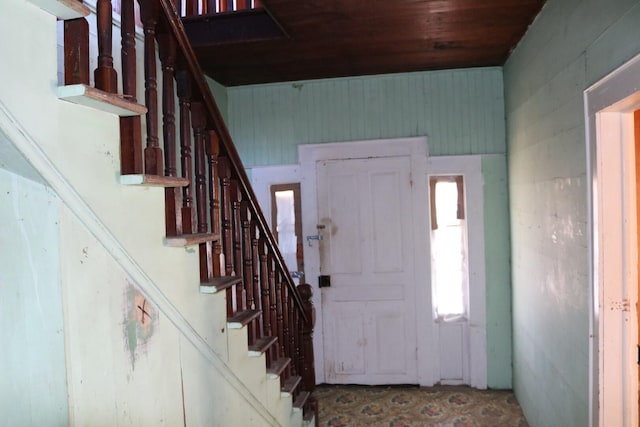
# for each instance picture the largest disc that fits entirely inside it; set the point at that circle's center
(139, 323)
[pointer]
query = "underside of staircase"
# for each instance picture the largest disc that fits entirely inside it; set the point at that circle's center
(177, 141)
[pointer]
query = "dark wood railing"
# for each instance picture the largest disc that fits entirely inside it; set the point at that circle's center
(209, 201)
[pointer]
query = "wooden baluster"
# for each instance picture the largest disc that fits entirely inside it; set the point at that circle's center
(273, 311)
(183, 80)
(292, 334)
(76, 51)
(284, 308)
(242, 4)
(213, 151)
(225, 214)
(227, 232)
(308, 371)
(255, 268)
(247, 261)
(265, 297)
(105, 75)
(236, 226)
(167, 47)
(247, 273)
(130, 127)
(256, 4)
(192, 7)
(198, 122)
(299, 357)
(149, 11)
(280, 315)
(225, 5)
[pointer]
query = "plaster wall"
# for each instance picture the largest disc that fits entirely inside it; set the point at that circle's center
(571, 45)
(128, 364)
(33, 388)
(460, 111)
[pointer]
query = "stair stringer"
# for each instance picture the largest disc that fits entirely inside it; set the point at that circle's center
(252, 370)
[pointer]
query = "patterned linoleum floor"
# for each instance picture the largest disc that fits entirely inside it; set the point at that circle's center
(412, 406)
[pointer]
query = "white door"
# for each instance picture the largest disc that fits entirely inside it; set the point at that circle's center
(365, 220)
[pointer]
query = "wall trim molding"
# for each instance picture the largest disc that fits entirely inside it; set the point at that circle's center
(34, 154)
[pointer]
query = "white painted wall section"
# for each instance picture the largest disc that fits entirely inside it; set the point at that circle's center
(33, 389)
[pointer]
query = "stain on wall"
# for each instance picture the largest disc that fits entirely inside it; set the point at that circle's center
(140, 319)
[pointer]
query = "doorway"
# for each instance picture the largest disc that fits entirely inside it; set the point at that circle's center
(365, 214)
(611, 112)
(328, 171)
(430, 335)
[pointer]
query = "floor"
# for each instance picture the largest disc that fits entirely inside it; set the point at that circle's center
(404, 406)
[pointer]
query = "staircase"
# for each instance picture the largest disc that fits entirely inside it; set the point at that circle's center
(177, 140)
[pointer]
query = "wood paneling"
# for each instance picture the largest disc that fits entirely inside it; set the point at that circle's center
(461, 112)
(325, 39)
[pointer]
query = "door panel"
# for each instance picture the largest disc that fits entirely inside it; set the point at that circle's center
(364, 207)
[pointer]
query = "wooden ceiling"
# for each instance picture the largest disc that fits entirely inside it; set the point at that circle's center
(313, 39)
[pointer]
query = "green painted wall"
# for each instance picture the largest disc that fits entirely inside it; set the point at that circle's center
(220, 95)
(461, 112)
(571, 45)
(498, 272)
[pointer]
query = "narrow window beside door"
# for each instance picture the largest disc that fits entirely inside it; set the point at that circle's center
(287, 225)
(449, 250)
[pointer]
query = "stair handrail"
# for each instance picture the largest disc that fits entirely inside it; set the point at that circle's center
(175, 23)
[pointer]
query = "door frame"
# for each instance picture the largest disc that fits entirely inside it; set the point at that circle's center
(613, 388)
(416, 149)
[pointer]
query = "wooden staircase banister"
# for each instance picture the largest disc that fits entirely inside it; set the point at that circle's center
(209, 201)
(224, 136)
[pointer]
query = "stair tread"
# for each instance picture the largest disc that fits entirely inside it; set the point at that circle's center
(301, 400)
(218, 284)
(242, 318)
(63, 9)
(291, 383)
(153, 180)
(262, 344)
(190, 239)
(277, 367)
(100, 100)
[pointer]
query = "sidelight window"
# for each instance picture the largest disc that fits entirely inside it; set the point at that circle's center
(449, 249)
(287, 225)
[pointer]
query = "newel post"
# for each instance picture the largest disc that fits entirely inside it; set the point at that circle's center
(308, 370)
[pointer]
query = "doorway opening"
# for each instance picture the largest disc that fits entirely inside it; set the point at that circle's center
(612, 117)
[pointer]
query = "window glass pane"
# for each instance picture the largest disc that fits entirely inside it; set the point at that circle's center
(286, 227)
(448, 253)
